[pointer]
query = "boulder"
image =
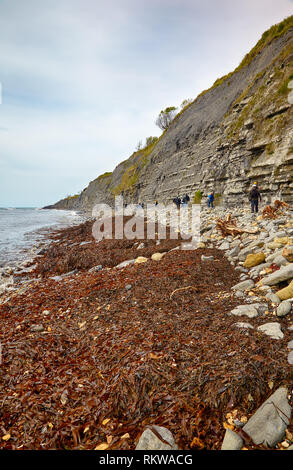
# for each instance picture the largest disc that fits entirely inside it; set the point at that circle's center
(232, 441)
(149, 440)
(283, 274)
(272, 329)
(284, 308)
(286, 292)
(254, 259)
(157, 256)
(249, 311)
(267, 426)
(141, 259)
(244, 285)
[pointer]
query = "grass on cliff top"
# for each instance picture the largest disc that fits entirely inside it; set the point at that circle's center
(268, 36)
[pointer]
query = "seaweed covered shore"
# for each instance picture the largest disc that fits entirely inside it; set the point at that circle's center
(93, 353)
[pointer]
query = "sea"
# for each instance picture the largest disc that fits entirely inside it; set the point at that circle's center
(22, 229)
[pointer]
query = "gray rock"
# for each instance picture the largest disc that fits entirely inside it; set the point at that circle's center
(224, 246)
(284, 308)
(273, 298)
(283, 274)
(290, 345)
(290, 358)
(241, 324)
(128, 287)
(272, 329)
(280, 260)
(244, 285)
(207, 258)
(96, 268)
(248, 310)
(149, 441)
(267, 426)
(36, 328)
(125, 263)
(232, 441)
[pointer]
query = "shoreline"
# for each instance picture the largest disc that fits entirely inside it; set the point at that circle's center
(152, 342)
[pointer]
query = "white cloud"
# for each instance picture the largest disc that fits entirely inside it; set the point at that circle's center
(83, 80)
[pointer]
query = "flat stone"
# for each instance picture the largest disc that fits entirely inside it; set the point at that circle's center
(284, 308)
(125, 263)
(273, 298)
(149, 440)
(37, 328)
(248, 310)
(244, 285)
(267, 426)
(272, 329)
(241, 324)
(232, 441)
(157, 256)
(283, 274)
(290, 357)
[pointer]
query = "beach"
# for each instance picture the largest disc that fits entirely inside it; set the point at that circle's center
(103, 339)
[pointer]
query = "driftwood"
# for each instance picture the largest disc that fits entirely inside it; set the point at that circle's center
(271, 212)
(228, 227)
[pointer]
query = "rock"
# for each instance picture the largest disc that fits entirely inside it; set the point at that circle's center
(141, 259)
(290, 357)
(96, 268)
(273, 298)
(128, 286)
(267, 426)
(158, 256)
(207, 258)
(241, 324)
(283, 240)
(248, 310)
(283, 274)
(224, 246)
(288, 253)
(244, 285)
(125, 263)
(280, 260)
(36, 328)
(149, 440)
(246, 251)
(284, 308)
(286, 293)
(140, 246)
(272, 329)
(232, 441)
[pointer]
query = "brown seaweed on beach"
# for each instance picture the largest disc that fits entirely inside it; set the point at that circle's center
(91, 360)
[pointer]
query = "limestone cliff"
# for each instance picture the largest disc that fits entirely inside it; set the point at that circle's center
(237, 132)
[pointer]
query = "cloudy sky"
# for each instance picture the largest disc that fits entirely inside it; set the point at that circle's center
(84, 80)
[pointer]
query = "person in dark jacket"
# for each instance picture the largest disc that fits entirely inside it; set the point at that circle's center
(254, 197)
(211, 198)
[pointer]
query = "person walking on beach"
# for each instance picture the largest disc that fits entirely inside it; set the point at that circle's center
(254, 197)
(211, 198)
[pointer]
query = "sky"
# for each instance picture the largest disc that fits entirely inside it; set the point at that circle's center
(83, 81)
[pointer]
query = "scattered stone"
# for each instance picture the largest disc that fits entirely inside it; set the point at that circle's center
(36, 328)
(125, 263)
(248, 310)
(141, 259)
(232, 441)
(140, 246)
(286, 293)
(150, 441)
(241, 324)
(284, 308)
(96, 268)
(283, 274)
(267, 426)
(272, 329)
(207, 258)
(244, 285)
(128, 286)
(158, 256)
(273, 298)
(254, 259)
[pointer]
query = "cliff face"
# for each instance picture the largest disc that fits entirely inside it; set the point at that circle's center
(237, 132)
